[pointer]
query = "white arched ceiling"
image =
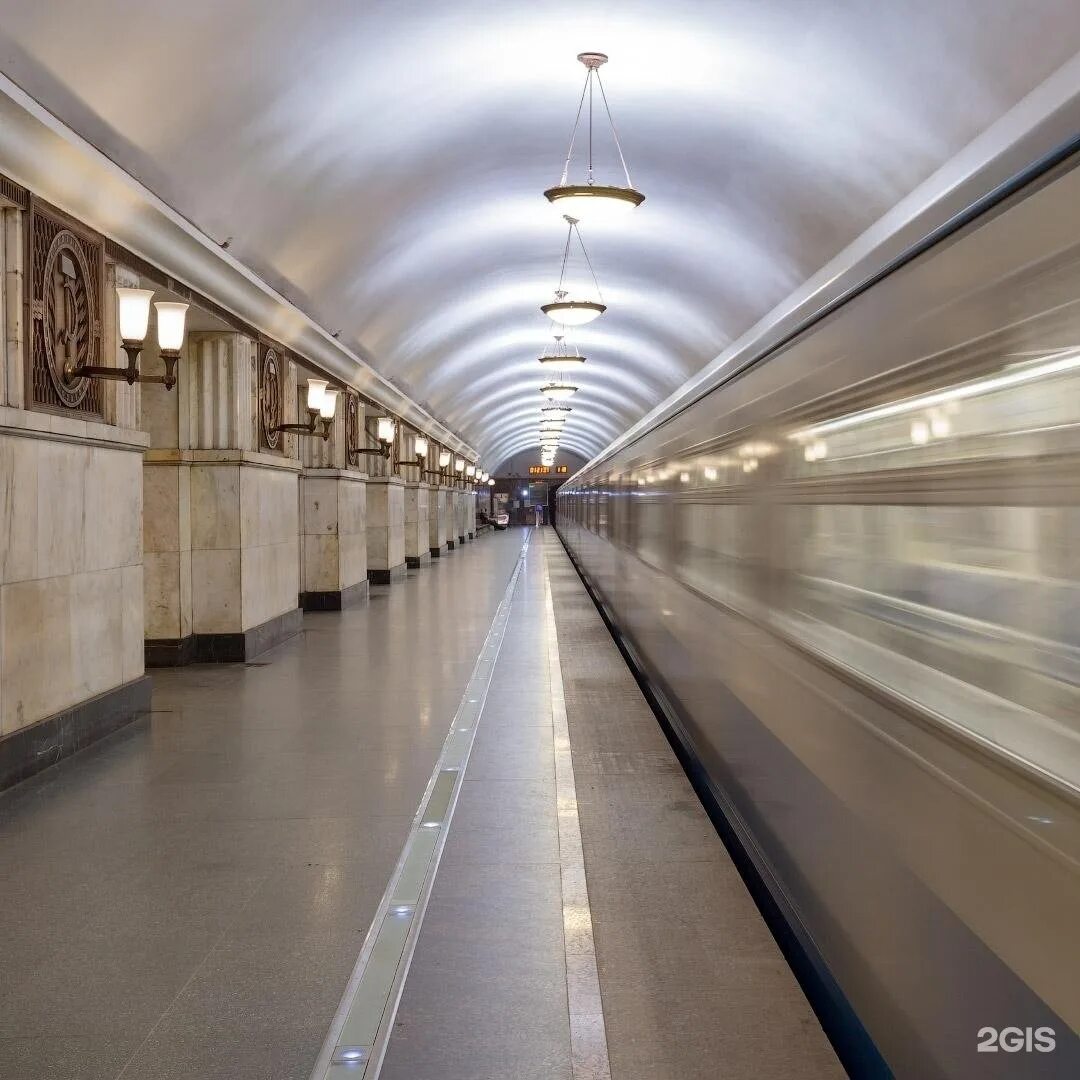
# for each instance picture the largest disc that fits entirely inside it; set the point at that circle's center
(382, 164)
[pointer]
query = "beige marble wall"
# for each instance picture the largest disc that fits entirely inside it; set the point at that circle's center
(417, 528)
(245, 535)
(437, 515)
(385, 523)
(334, 530)
(459, 513)
(71, 611)
(167, 580)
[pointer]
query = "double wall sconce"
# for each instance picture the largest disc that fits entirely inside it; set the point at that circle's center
(384, 434)
(321, 406)
(134, 320)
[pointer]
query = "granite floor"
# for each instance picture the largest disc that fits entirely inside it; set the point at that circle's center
(189, 897)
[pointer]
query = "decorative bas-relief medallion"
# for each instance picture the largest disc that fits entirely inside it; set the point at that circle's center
(270, 397)
(66, 272)
(68, 314)
(352, 420)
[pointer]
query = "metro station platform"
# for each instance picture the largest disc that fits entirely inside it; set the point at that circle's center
(437, 836)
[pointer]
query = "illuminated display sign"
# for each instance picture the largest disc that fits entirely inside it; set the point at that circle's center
(547, 470)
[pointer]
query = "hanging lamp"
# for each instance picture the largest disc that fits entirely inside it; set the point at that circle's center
(561, 360)
(590, 200)
(564, 310)
(558, 391)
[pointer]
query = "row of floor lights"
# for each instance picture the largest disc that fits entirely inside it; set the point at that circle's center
(577, 202)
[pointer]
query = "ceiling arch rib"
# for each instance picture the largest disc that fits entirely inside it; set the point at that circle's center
(406, 214)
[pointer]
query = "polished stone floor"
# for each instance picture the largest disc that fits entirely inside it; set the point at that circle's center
(188, 898)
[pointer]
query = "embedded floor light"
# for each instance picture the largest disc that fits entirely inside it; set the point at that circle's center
(573, 312)
(134, 319)
(384, 435)
(321, 407)
(591, 200)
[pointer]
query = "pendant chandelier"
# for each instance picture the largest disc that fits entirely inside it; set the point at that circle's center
(574, 312)
(558, 391)
(592, 201)
(561, 360)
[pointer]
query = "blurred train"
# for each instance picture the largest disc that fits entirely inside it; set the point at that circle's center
(849, 571)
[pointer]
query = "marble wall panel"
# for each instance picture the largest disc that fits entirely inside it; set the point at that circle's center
(215, 506)
(162, 600)
(18, 509)
(270, 581)
(215, 593)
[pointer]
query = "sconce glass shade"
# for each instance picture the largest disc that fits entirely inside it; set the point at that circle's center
(420, 446)
(484, 478)
(444, 459)
(385, 429)
(134, 313)
(491, 481)
(315, 390)
(470, 470)
(328, 405)
(459, 465)
(594, 202)
(573, 312)
(558, 391)
(170, 325)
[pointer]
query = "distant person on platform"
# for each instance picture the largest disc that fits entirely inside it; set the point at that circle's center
(538, 510)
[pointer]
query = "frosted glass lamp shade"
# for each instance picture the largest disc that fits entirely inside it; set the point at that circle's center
(385, 429)
(328, 405)
(459, 465)
(420, 446)
(444, 459)
(134, 313)
(562, 365)
(573, 312)
(491, 482)
(558, 391)
(594, 202)
(316, 388)
(170, 325)
(470, 470)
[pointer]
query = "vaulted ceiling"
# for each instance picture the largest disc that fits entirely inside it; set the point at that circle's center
(382, 163)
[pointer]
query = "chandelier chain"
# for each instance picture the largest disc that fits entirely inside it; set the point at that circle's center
(587, 91)
(574, 131)
(614, 131)
(588, 261)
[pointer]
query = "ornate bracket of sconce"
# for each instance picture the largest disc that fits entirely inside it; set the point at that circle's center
(384, 435)
(134, 321)
(321, 406)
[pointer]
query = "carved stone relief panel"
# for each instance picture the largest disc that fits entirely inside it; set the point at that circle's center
(64, 298)
(271, 397)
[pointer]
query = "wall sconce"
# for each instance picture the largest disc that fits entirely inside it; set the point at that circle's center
(491, 481)
(420, 449)
(470, 471)
(321, 406)
(134, 320)
(444, 461)
(384, 433)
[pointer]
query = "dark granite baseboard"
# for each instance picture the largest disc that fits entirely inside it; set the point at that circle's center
(414, 562)
(226, 648)
(461, 540)
(335, 601)
(169, 652)
(472, 536)
(387, 577)
(39, 745)
(435, 552)
(449, 545)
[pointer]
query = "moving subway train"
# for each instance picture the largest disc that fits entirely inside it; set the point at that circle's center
(850, 573)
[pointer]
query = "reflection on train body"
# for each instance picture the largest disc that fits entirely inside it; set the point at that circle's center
(871, 542)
